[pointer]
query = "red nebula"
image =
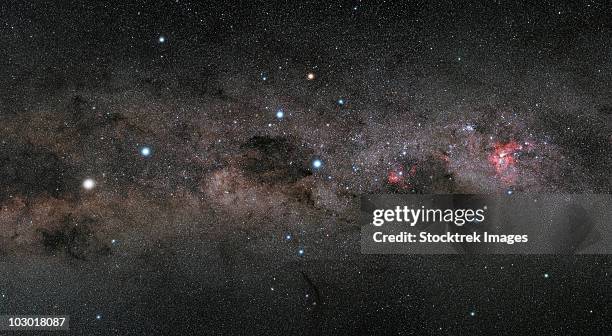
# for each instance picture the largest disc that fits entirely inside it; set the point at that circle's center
(399, 178)
(503, 160)
(395, 177)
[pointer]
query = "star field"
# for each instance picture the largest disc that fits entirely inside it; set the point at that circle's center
(181, 167)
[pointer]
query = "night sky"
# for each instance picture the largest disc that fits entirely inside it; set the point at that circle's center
(195, 168)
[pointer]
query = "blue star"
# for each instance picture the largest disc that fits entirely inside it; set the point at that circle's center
(98, 317)
(301, 252)
(288, 237)
(317, 163)
(280, 114)
(546, 275)
(162, 39)
(341, 101)
(145, 151)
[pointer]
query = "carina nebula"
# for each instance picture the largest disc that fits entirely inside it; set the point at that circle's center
(186, 167)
